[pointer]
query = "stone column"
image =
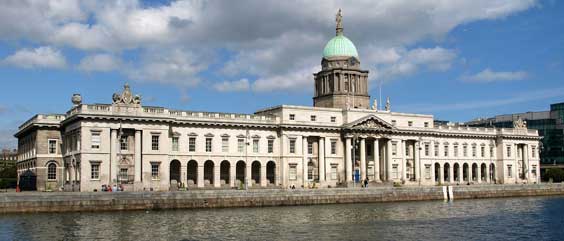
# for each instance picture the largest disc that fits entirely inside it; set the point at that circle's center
(402, 155)
(348, 161)
(138, 164)
(362, 159)
(389, 160)
(200, 175)
(232, 174)
(479, 173)
(526, 161)
(183, 174)
(470, 172)
(416, 166)
(217, 175)
(460, 173)
(321, 156)
(304, 166)
(441, 174)
(263, 175)
(113, 156)
(451, 173)
(283, 166)
(487, 173)
(376, 152)
(248, 173)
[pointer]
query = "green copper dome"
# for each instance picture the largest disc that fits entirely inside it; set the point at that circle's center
(340, 46)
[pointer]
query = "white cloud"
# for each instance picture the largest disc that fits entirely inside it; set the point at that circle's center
(41, 57)
(232, 86)
(178, 67)
(487, 75)
(99, 62)
(283, 39)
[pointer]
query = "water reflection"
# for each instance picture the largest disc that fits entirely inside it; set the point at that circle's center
(540, 218)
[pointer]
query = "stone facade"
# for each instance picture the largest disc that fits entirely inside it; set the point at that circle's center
(338, 141)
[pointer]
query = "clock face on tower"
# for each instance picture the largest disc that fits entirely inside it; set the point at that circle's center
(352, 61)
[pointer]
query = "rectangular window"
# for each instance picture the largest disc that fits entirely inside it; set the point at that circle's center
(483, 151)
(174, 143)
(333, 147)
(293, 173)
(155, 142)
(192, 144)
(155, 171)
(95, 140)
(446, 150)
(255, 145)
(309, 147)
(292, 117)
(455, 151)
(534, 170)
(52, 146)
(426, 124)
(95, 171)
(123, 145)
(241, 145)
(123, 175)
(394, 122)
(491, 151)
(293, 146)
(426, 149)
(465, 150)
(474, 151)
(410, 123)
(313, 118)
(395, 171)
(333, 119)
(209, 144)
(407, 152)
(509, 171)
(427, 171)
(394, 149)
(436, 149)
(508, 151)
(333, 172)
(270, 146)
(533, 151)
(225, 144)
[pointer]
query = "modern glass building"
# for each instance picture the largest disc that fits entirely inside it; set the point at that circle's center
(550, 125)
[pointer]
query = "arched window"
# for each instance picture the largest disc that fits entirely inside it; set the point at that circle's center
(52, 171)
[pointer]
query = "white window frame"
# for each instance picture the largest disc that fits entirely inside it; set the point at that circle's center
(292, 145)
(155, 175)
(191, 144)
(209, 144)
(241, 145)
(334, 171)
(95, 140)
(293, 172)
(95, 172)
(175, 143)
(225, 144)
(49, 141)
(155, 139)
(270, 144)
(256, 146)
(333, 147)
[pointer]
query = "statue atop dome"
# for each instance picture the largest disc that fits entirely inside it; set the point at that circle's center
(339, 20)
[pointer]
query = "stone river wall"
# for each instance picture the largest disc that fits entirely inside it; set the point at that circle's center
(98, 201)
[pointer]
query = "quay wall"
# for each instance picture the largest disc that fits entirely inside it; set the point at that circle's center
(98, 201)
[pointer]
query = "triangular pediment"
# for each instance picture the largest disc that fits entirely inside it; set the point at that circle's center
(370, 122)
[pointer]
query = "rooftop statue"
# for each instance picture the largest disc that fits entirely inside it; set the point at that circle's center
(520, 124)
(339, 20)
(388, 106)
(126, 97)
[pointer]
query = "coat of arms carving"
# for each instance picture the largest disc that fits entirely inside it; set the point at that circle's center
(126, 97)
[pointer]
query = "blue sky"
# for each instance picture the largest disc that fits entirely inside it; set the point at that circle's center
(456, 60)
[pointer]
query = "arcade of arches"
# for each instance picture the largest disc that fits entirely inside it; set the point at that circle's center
(226, 174)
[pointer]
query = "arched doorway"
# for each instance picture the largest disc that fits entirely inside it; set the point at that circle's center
(475, 171)
(457, 172)
(437, 173)
(483, 173)
(270, 172)
(192, 172)
(465, 172)
(255, 172)
(174, 171)
(208, 172)
(240, 169)
(225, 170)
(446, 173)
(492, 173)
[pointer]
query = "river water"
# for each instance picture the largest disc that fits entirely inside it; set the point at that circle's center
(534, 218)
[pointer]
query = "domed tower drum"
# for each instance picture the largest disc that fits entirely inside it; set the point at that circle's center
(341, 83)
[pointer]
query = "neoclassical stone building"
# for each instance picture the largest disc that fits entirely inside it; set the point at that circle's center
(337, 141)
